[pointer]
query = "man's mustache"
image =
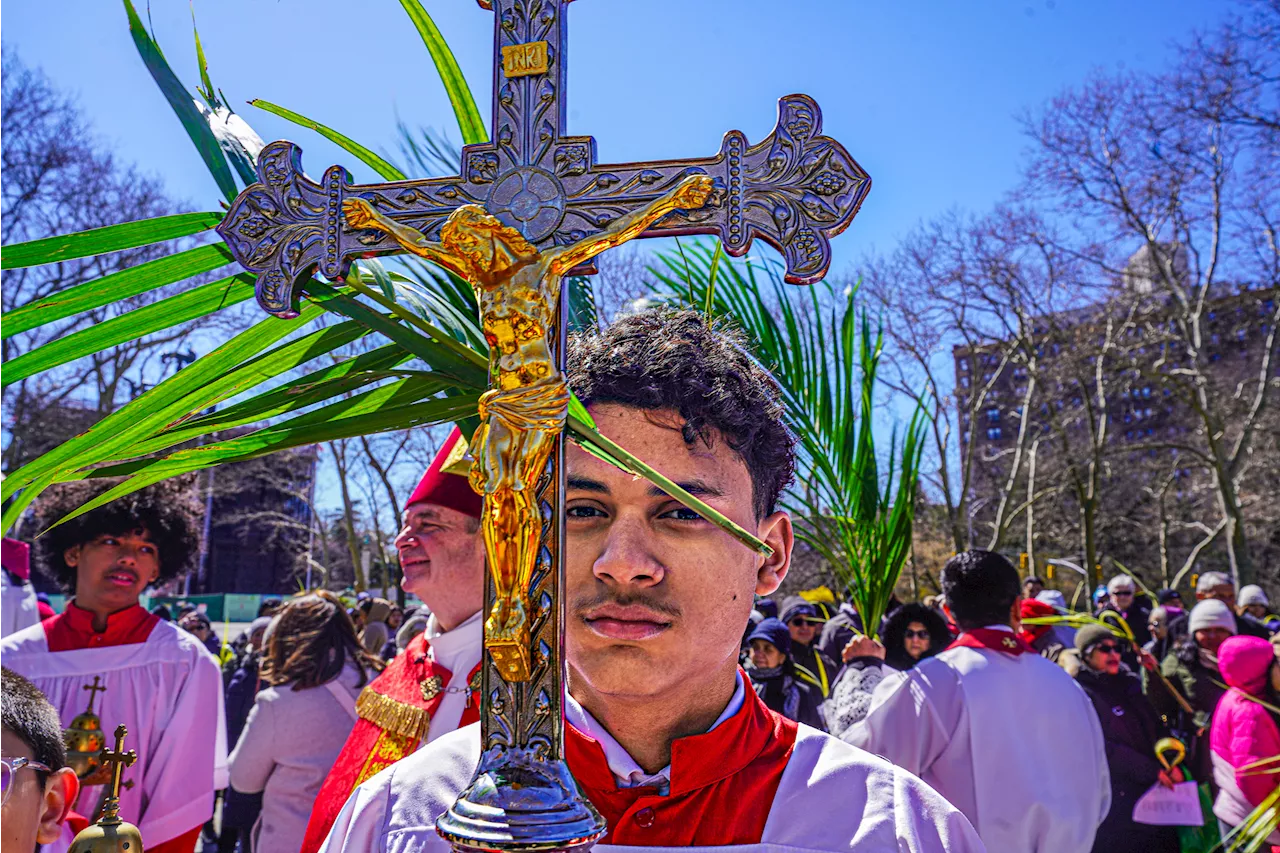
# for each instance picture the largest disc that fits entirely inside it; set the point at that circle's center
(583, 604)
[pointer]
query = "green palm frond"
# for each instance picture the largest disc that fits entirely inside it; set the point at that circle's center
(825, 356)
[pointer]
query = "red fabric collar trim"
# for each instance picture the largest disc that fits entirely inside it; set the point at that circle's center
(73, 629)
(712, 776)
(990, 638)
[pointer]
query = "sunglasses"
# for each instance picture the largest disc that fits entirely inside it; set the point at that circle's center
(10, 766)
(917, 635)
(1107, 648)
(801, 621)
(1122, 593)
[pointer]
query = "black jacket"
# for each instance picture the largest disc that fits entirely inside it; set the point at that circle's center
(1130, 729)
(815, 668)
(789, 695)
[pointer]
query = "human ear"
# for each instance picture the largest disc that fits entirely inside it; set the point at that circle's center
(777, 533)
(59, 795)
(71, 556)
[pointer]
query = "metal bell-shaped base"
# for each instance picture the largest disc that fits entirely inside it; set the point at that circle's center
(520, 801)
(119, 837)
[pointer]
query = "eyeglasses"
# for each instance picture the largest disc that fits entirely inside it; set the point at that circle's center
(1107, 648)
(917, 635)
(10, 766)
(1122, 593)
(801, 621)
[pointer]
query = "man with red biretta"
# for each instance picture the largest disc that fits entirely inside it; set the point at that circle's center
(429, 689)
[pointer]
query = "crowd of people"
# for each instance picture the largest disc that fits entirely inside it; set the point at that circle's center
(703, 708)
(1208, 675)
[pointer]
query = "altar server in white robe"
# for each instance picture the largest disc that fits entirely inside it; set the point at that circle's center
(665, 736)
(18, 606)
(1001, 732)
(157, 679)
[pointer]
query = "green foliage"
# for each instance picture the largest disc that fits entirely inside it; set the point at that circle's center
(384, 169)
(111, 238)
(184, 106)
(455, 84)
(825, 356)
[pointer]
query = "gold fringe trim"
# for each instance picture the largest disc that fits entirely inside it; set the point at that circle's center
(392, 715)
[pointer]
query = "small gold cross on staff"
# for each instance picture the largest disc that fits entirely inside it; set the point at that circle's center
(94, 689)
(120, 759)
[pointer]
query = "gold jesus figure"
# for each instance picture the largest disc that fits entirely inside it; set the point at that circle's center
(522, 413)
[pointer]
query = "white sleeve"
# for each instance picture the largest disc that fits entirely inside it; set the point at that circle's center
(178, 781)
(927, 823)
(253, 759)
(358, 828)
(902, 725)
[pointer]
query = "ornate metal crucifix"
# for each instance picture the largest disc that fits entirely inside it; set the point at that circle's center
(547, 202)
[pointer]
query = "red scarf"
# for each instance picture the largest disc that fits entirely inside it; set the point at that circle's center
(395, 717)
(722, 783)
(994, 639)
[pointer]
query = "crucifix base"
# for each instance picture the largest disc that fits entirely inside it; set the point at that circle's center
(521, 801)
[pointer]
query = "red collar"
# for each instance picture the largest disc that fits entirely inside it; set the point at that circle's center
(73, 628)
(712, 775)
(993, 639)
(696, 760)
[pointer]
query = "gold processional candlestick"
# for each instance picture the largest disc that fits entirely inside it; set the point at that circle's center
(109, 834)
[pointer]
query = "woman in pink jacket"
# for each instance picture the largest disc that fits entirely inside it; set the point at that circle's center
(1243, 731)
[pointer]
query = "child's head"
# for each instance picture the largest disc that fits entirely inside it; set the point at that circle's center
(109, 555)
(38, 788)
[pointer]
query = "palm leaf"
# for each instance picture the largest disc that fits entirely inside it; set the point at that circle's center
(183, 105)
(114, 287)
(110, 238)
(455, 84)
(373, 161)
(239, 142)
(825, 355)
(139, 323)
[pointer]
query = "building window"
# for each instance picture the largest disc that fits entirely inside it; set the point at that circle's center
(993, 433)
(964, 364)
(993, 416)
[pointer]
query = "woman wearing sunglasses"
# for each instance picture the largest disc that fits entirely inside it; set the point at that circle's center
(1130, 729)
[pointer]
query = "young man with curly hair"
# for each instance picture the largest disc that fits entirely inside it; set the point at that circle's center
(159, 680)
(665, 734)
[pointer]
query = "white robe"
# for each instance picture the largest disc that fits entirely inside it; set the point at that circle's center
(459, 652)
(168, 692)
(18, 605)
(831, 798)
(1011, 741)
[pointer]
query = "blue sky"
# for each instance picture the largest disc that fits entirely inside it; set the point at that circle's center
(923, 93)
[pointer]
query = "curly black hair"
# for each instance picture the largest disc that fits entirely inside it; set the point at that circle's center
(169, 511)
(679, 360)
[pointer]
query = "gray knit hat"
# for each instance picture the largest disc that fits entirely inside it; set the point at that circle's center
(1091, 635)
(1211, 613)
